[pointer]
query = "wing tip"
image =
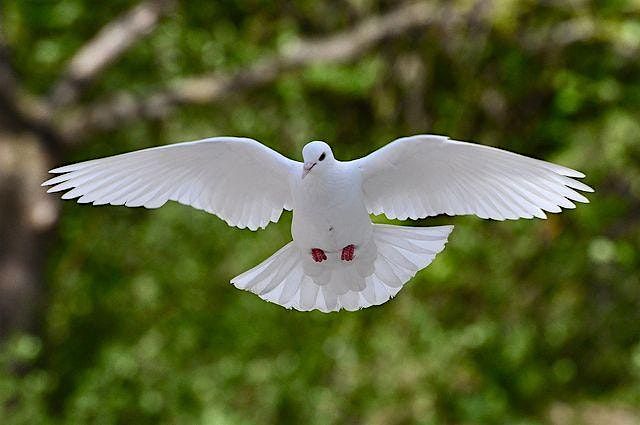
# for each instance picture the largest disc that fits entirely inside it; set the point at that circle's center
(569, 172)
(68, 195)
(53, 180)
(63, 169)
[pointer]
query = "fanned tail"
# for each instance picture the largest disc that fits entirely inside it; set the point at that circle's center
(379, 270)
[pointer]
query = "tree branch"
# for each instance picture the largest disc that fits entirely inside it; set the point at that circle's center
(111, 42)
(20, 110)
(341, 47)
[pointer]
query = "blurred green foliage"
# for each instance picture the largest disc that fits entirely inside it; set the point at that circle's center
(512, 320)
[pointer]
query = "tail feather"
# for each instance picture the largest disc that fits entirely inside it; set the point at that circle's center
(379, 270)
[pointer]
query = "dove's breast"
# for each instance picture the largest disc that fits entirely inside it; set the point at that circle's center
(329, 211)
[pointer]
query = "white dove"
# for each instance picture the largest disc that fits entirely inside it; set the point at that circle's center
(338, 258)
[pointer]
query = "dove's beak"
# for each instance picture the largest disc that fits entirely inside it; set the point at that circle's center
(307, 168)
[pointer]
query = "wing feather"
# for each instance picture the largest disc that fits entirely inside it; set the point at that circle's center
(238, 179)
(420, 176)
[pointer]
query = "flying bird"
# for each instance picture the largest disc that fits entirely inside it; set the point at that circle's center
(338, 259)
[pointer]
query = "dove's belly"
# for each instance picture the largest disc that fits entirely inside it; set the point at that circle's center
(332, 230)
(330, 214)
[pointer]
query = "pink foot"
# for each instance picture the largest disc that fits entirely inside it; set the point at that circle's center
(347, 252)
(318, 255)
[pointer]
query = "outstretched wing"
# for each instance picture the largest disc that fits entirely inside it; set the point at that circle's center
(238, 179)
(426, 175)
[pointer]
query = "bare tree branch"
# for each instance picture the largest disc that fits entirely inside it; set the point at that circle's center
(19, 109)
(112, 40)
(340, 47)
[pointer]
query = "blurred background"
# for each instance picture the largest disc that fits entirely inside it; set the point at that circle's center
(116, 315)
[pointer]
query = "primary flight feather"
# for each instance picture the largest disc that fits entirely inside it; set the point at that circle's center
(338, 258)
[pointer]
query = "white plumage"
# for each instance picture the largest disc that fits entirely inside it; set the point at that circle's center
(248, 185)
(238, 179)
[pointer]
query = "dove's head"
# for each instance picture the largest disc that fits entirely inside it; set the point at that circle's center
(317, 156)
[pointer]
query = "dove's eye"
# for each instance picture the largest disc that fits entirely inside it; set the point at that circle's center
(321, 157)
